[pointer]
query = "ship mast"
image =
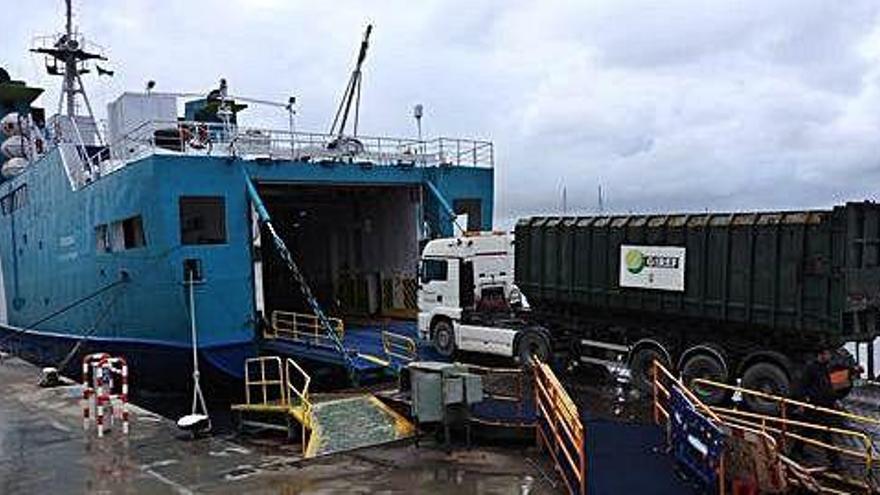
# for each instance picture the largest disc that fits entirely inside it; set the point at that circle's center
(67, 56)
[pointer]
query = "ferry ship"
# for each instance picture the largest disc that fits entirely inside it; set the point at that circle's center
(106, 228)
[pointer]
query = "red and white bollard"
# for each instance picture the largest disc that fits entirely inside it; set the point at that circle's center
(101, 388)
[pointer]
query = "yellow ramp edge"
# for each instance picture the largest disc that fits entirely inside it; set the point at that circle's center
(352, 423)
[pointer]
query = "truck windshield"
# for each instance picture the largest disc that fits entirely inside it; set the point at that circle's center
(433, 269)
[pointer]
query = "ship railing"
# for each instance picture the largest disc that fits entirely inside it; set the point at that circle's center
(560, 430)
(793, 424)
(218, 139)
(303, 328)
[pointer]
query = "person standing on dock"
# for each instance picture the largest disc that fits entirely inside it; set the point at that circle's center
(816, 389)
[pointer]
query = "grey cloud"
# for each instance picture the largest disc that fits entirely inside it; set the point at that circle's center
(674, 105)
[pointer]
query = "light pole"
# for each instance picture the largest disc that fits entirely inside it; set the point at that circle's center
(418, 111)
(291, 112)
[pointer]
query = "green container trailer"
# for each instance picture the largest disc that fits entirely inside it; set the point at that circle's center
(724, 295)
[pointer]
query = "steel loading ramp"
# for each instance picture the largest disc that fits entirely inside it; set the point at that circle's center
(351, 423)
(277, 397)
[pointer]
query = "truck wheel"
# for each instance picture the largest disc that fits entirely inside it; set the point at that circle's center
(768, 378)
(532, 346)
(444, 338)
(707, 367)
(641, 368)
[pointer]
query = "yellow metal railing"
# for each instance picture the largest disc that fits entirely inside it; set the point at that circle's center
(399, 346)
(787, 429)
(264, 381)
(303, 394)
(271, 386)
(303, 328)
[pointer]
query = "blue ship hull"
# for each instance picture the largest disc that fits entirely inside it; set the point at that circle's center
(58, 282)
(157, 366)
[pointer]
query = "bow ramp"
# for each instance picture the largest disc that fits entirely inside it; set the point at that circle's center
(278, 397)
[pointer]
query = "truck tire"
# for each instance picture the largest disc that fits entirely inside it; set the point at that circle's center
(702, 365)
(443, 337)
(532, 345)
(641, 368)
(768, 378)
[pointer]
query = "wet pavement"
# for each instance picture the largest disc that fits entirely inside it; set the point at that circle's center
(44, 450)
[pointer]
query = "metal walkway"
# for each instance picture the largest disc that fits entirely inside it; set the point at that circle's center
(277, 397)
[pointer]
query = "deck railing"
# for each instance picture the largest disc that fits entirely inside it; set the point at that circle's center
(216, 139)
(303, 328)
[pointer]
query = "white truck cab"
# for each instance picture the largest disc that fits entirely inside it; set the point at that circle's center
(468, 300)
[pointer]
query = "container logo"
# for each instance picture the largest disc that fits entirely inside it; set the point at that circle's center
(652, 267)
(635, 261)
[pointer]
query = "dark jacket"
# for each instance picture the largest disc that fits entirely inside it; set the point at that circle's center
(816, 385)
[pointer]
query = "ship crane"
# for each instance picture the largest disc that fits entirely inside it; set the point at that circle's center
(350, 144)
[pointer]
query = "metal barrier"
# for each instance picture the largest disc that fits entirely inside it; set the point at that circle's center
(560, 430)
(217, 139)
(774, 431)
(270, 385)
(787, 427)
(399, 347)
(305, 328)
(105, 379)
(693, 429)
(508, 398)
(305, 405)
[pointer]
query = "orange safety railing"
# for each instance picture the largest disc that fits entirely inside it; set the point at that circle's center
(788, 426)
(560, 430)
(776, 431)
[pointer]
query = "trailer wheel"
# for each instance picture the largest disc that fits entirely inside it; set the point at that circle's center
(532, 346)
(768, 378)
(443, 337)
(641, 368)
(710, 368)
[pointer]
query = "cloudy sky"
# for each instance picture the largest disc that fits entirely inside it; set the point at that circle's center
(673, 105)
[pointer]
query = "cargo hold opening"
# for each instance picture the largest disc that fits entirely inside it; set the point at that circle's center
(356, 245)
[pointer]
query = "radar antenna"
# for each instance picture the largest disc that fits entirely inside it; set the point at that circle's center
(352, 92)
(68, 56)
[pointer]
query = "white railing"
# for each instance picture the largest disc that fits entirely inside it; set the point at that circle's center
(216, 139)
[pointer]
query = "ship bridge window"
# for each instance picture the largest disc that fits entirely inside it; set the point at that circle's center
(14, 200)
(202, 220)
